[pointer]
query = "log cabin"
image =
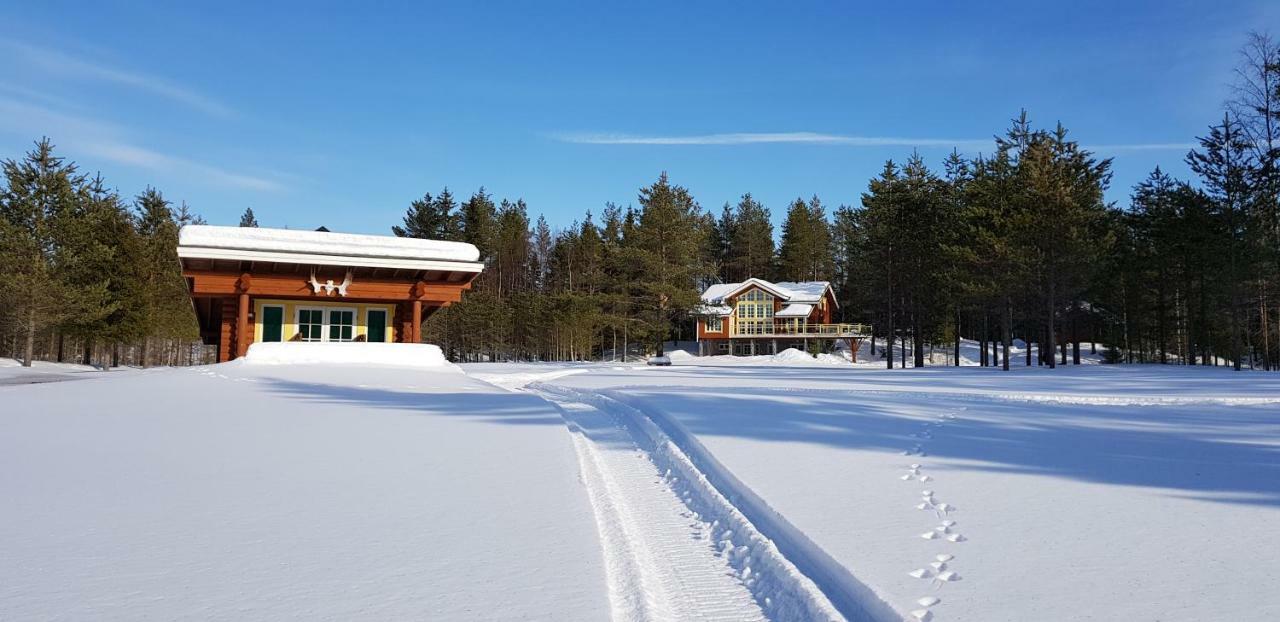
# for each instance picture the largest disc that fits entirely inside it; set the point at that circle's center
(251, 284)
(760, 317)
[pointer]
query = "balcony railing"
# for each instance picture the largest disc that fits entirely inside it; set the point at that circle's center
(806, 330)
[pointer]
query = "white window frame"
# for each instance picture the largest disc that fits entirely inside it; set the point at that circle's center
(297, 323)
(355, 322)
(718, 327)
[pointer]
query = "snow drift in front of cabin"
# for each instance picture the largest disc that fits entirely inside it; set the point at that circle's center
(416, 355)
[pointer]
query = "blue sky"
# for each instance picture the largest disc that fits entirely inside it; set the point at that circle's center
(328, 114)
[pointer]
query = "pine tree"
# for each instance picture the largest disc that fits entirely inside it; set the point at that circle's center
(670, 242)
(247, 219)
(751, 250)
(1223, 163)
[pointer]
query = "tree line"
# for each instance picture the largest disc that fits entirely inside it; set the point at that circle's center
(1015, 244)
(88, 275)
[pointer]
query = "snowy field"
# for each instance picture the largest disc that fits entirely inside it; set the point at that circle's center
(266, 492)
(1086, 493)
(775, 488)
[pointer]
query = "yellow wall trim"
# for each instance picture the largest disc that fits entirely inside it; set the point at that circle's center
(291, 315)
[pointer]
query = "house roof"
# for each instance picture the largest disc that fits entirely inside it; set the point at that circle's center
(788, 291)
(325, 248)
(795, 310)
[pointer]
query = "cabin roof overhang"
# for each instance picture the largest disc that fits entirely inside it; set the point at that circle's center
(187, 253)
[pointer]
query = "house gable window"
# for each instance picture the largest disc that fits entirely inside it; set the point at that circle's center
(755, 312)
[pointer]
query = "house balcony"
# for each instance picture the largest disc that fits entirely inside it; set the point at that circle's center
(830, 331)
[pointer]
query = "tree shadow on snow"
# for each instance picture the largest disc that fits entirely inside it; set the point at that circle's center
(488, 406)
(1210, 452)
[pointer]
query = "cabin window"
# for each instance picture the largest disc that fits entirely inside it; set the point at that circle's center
(311, 324)
(342, 324)
(715, 324)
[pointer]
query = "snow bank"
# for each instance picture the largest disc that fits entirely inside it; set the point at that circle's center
(324, 243)
(790, 356)
(423, 355)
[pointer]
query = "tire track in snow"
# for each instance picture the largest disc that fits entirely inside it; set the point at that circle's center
(791, 577)
(660, 555)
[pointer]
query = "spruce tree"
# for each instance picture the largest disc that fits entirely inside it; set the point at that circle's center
(39, 197)
(247, 219)
(432, 218)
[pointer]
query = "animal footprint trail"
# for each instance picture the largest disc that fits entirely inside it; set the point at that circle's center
(938, 571)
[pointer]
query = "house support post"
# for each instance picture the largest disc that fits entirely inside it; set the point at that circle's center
(416, 330)
(242, 315)
(242, 326)
(775, 347)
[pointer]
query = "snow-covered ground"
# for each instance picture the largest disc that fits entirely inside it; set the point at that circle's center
(266, 492)
(1091, 492)
(12, 372)
(780, 488)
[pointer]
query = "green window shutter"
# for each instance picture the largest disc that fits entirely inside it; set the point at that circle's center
(377, 328)
(272, 323)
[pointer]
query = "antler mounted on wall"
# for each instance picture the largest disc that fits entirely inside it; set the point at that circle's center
(329, 286)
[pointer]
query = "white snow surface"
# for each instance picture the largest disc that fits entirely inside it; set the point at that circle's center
(267, 492)
(323, 243)
(795, 310)
(794, 291)
(421, 355)
(1083, 493)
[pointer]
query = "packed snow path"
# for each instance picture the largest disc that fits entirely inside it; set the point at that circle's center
(674, 547)
(660, 557)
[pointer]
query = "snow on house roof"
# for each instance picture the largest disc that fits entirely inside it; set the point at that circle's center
(325, 248)
(790, 291)
(713, 310)
(805, 291)
(795, 310)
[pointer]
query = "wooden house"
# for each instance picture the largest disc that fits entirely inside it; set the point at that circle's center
(254, 284)
(760, 317)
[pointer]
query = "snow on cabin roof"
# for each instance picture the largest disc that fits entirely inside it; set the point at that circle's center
(325, 248)
(789, 291)
(795, 310)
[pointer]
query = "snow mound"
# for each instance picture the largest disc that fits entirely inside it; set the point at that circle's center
(792, 355)
(422, 355)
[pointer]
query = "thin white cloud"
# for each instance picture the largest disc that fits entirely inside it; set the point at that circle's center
(58, 62)
(753, 138)
(77, 135)
(817, 138)
(140, 157)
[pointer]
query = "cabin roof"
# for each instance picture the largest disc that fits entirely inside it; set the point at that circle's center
(325, 248)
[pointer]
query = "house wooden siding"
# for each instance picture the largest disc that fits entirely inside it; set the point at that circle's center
(744, 329)
(821, 314)
(255, 293)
